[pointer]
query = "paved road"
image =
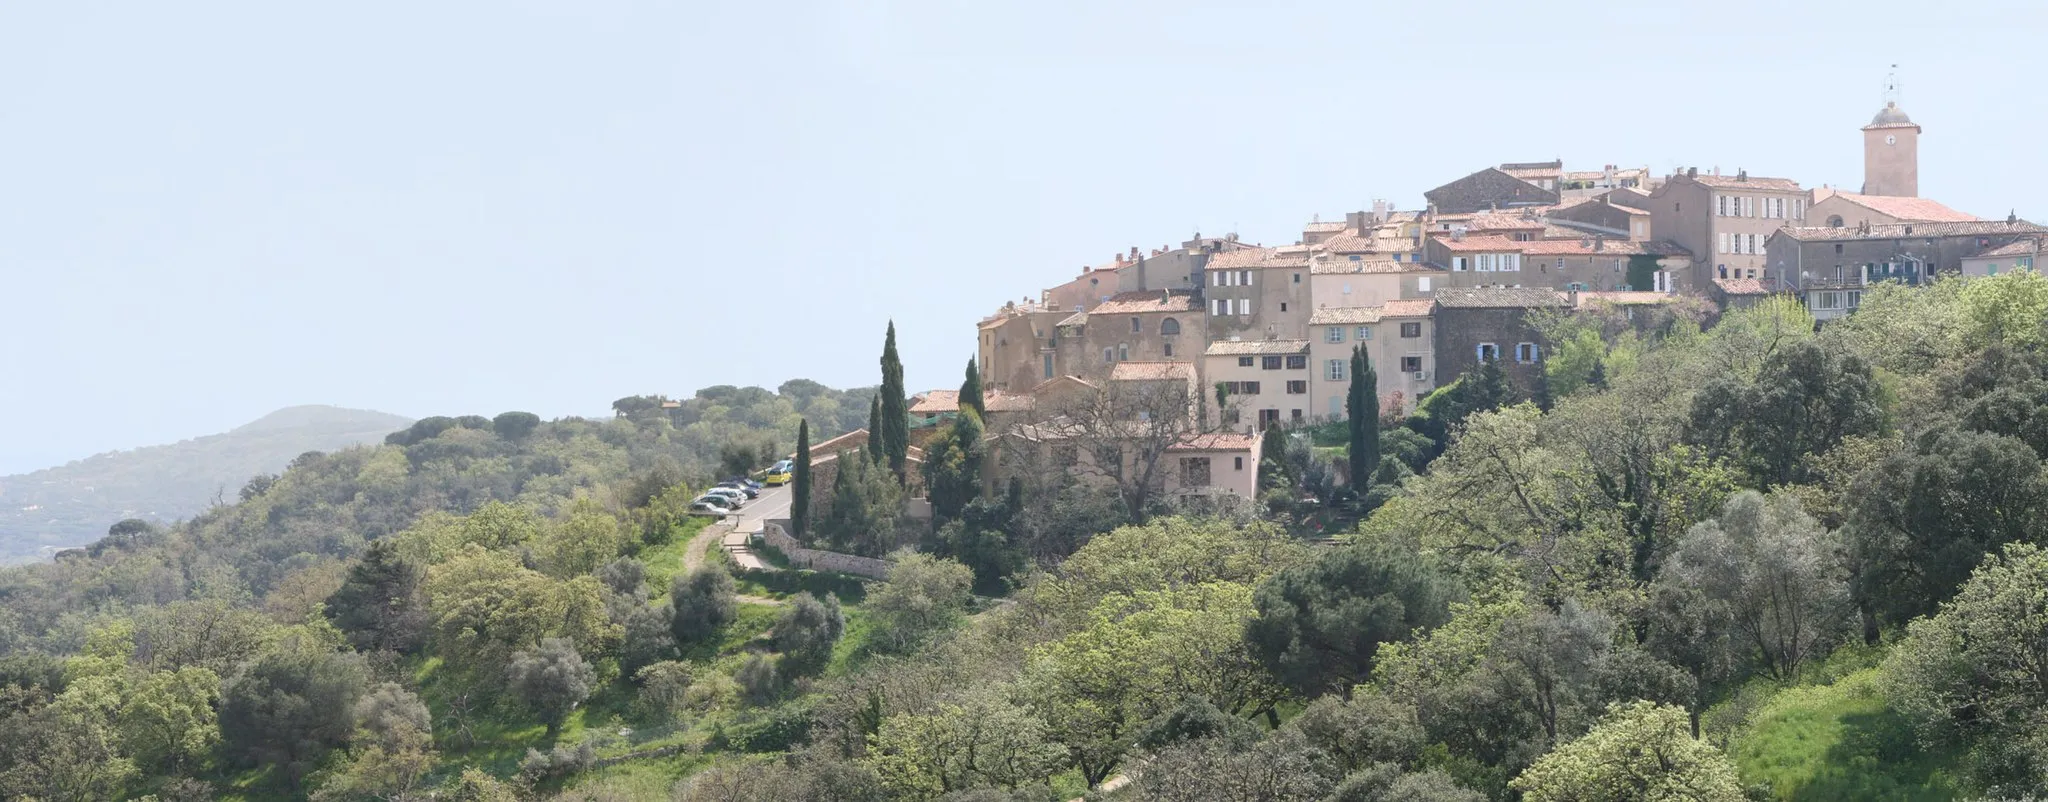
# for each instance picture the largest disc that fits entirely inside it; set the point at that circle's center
(773, 503)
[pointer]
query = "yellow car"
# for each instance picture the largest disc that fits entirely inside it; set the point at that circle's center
(783, 473)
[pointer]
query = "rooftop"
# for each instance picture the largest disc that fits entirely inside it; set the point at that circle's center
(1152, 371)
(1250, 347)
(1257, 258)
(2023, 247)
(1140, 301)
(1746, 181)
(1325, 228)
(1916, 209)
(1496, 221)
(1483, 242)
(1908, 230)
(1890, 117)
(1500, 298)
(998, 401)
(1217, 441)
(1585, 246)
(936, 402)
(1741, 286)
(1626, 298)
(1408, 307)
(1345, 267)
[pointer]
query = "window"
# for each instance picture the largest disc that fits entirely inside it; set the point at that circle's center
(1194, 471)
(1168, 348)
(1333, 334)
(1283, 306)
(1526, 352)
(1336, 406)
(1294, 416)
(1752, 245)
(1835, 221)
(1230, 417)
(1365, 332)
(1250, 388)
(1297, 361)
(1487, 352)
(1411, 364)
(1137, 327)
(1411, 330)
(1748, 208)
(1461, 263)
(1237, 463)
(1347, 288)
(1108, 355)
(1721, 206)
(1219, 306)
(1244, 306)
(1510, 262)
(1268, 417)
(1422, 284)
(1855, 298)
(1169, 327)
(1048, 365)
(1838, 249)
(1297, 278)
(1334, 370)
(1245, 361)
(1269, 363)
(1244, 278)
(1123, 352)
(1356, 257)
(1721, 242)
(1297, 387)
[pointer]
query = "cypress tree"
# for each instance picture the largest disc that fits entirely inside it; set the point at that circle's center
(970, 390)
(1540, 394)
(1362, 404)
(873, 450)
(895, 408)
(800, 496)
(1598, 379)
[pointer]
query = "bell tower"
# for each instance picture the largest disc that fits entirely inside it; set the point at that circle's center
(1891, 148)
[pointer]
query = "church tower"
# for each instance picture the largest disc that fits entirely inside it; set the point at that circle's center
(1891, 149)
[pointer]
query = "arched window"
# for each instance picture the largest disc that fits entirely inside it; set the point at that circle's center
(1834, 221)
(1169, 326)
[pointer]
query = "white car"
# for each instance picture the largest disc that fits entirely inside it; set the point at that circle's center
(713, 504)
(737, 497)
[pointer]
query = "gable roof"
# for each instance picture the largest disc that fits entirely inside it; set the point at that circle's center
(1593, 246)
(1500, 298)
(1480, 242)
(1217, 441)
(1741, 286)
(1624, 297)
(2018, 247)
(1408, 307)
(936, 402)
(1342, 267)
(1922, 210)
(1141, 301)
(1745, 182)
(1908, 230)
(1257, 258)
(1247, 347)
(1344, 316)
(999, 401)
(1490, 188)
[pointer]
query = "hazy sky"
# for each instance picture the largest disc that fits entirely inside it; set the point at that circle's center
(212, 210)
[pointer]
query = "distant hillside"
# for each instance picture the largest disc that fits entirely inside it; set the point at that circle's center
(73, 504)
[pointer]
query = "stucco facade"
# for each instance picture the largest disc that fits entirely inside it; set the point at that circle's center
(1829, 267)
(1724, 221)
(1399, 338)
(1339, 283)
(1144, 326)
(1258, 293)
(1016, 348)
(1267, 380)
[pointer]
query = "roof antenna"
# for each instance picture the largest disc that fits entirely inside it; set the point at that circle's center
(1891, 87)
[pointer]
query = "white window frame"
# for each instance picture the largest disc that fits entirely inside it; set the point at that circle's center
(1422, 284)
(1526, 353)
(1334, 335)
(1244, 307)
(1364, 333)
(1334, 369)
(1482, 349)
(1460, 263)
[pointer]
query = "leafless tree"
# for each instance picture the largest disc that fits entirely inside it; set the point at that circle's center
(1119, 433)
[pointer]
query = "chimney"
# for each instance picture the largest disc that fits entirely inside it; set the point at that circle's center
(1692, 172)
(1717, 171)
(1742, 175)
(1458, 234)
(1381, 210)
(1572, 297)
(1607, 176)
(1355, 221)
(1599, 243)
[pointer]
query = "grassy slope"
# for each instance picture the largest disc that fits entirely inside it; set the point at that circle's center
(1838, 742)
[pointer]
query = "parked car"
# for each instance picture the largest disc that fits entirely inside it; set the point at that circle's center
(782, 473)
(743, 482)
(752, 492)
(737, 498)
(711, 505)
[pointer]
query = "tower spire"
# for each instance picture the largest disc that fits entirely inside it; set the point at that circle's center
(1891, 87)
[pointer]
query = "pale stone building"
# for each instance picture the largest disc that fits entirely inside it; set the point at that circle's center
(1399, 339)
(1724, 221)
(1265, 382)
(1258, 293)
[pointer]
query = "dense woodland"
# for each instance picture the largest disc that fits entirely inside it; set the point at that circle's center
(1744, 560)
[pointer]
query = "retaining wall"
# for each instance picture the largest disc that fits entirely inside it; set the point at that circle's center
(776, 534)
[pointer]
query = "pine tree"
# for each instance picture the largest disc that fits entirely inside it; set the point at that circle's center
(1598, 379)
(1362, 404)
(970, 390)
(800, 495)
(895, 408)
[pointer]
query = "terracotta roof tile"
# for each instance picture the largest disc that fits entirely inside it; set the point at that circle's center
(1256, 258)
(1345, 267)
(1908, 230)
(1503, 222)
(1408, 307)
(1131, 303)
(1217, 441)
(1920, 209)
(1151, 371)
(1344, 316)
(1499, 298)
(1248, 347)
(998, 401)
(1625, 298)
(1483, 242)
(1741, 286)
(1588, 246)
(1751, 182)
(1324, 228)
(936, 402)
(2024, 247)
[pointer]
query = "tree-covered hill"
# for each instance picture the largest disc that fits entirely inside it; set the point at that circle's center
(73, 504)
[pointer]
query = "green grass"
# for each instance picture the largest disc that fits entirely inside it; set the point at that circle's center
(1839, 741)
(666, 560)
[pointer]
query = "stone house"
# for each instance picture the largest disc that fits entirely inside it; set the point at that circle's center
(1016, 346)
(1143, 326)
(1399, 338)
(1736, 293)
(1602, 216)
(1493, 323)
(1829, 267)
(1258, 293)
(1469, 260)
(1267, 382)
(1595, 263)
(1724, 221)
(1338, 283)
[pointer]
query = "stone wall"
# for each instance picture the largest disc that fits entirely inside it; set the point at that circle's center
(776, 534)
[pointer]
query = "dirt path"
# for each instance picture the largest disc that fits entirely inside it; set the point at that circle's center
(694, 555)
